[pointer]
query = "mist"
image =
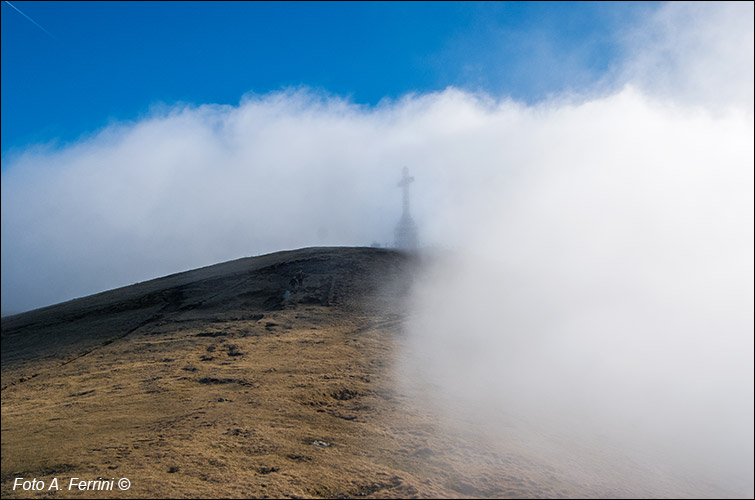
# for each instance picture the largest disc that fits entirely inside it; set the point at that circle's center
(593, 252)
(597, 303)
(610, 295)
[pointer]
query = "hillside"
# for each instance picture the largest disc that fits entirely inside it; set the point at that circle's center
(214, 383)
(210, 382)
(232, 293)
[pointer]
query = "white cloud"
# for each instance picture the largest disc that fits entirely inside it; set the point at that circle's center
(605, 284)
(696, 53)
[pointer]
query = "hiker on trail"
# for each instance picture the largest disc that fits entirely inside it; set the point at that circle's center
(292, 284)
(300, 278)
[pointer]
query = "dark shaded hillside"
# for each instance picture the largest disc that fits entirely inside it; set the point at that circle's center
(237, 290)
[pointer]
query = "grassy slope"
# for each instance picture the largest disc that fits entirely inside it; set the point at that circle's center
(210, 384)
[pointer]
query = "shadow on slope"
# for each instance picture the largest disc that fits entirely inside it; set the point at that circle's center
(238, 290)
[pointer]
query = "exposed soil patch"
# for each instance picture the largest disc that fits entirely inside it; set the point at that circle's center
(344, 394)
(213, 380)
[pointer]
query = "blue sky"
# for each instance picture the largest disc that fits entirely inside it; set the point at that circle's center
(112, 61)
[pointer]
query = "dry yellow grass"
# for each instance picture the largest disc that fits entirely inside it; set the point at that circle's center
(210, 384)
